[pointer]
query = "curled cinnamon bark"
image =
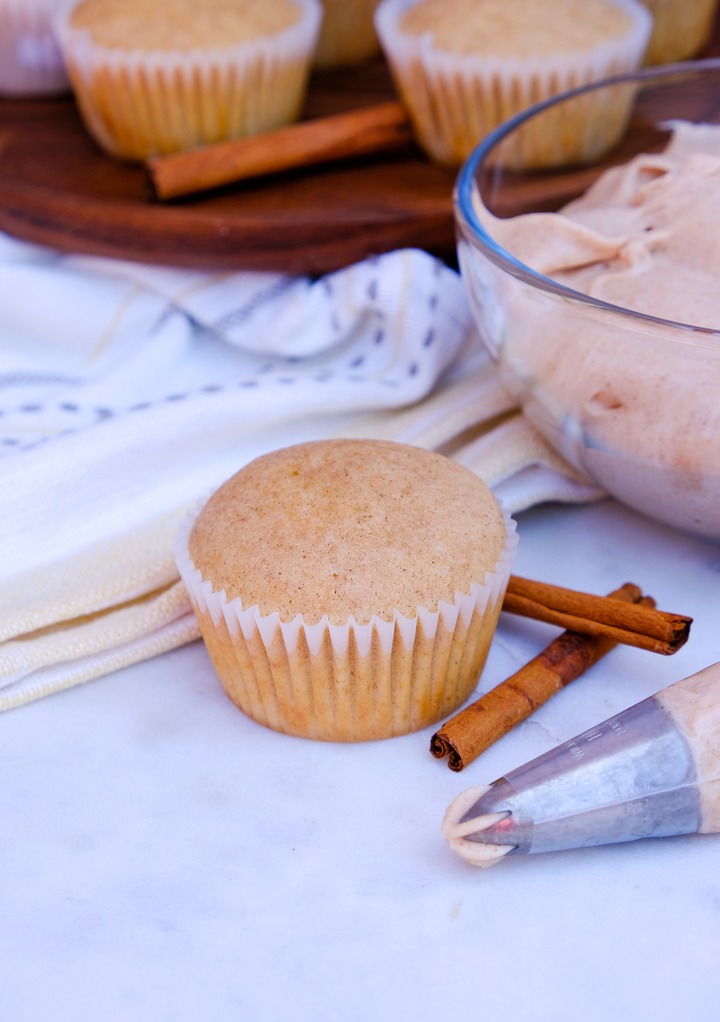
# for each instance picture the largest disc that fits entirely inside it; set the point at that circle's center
(631, 623)
(470, 732)
(380, 128)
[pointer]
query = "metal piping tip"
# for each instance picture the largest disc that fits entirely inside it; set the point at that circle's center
(631, 777)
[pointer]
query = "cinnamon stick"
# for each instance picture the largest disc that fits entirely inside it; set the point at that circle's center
(632, 624)
(470, 732)
(380, 128)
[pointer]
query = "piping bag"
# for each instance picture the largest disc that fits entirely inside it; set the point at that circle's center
(651, 771)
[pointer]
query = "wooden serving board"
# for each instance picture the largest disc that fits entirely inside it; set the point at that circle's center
(57, 188)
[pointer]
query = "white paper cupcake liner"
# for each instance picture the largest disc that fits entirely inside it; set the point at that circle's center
(355, 681)
(455, 100)
(137, 103)
(30, 60)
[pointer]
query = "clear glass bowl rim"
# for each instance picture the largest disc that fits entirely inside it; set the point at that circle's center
(466, 215)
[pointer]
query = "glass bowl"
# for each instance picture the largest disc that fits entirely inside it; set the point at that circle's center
(629, 397)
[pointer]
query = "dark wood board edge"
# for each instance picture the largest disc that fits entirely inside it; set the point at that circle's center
(225, 231)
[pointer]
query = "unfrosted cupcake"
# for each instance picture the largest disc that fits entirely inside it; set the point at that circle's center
(681, 28)
(348, 33)
(152, 78)
(462, 67)
(348, 589)
(30, 60)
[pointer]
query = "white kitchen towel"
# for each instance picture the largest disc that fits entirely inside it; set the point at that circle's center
(128, 392)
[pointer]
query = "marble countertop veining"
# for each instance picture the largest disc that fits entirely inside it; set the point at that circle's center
(164, 858)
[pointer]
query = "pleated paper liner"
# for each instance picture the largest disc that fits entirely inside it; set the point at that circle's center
(351, 682)
(138, 103)
(456, 99)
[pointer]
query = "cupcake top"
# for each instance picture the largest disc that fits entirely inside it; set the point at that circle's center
(348, 527)
(517, 28)
(181, 24)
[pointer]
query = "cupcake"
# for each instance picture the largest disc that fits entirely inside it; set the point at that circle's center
(348, 589)
(30, 60)
(681, 29)
(462, 67)
(348, 33)
(152, 78)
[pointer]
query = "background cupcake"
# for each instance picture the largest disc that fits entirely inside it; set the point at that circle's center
(681, 28)
(348, 589)
(348, 33)
(462, 67)
(153, 78)
(30, 60)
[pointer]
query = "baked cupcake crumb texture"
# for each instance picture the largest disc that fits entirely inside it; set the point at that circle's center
(519, 29)
(147, 25)
(348, 590)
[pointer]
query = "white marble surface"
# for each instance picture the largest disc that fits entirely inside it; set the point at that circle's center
(164, 858)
